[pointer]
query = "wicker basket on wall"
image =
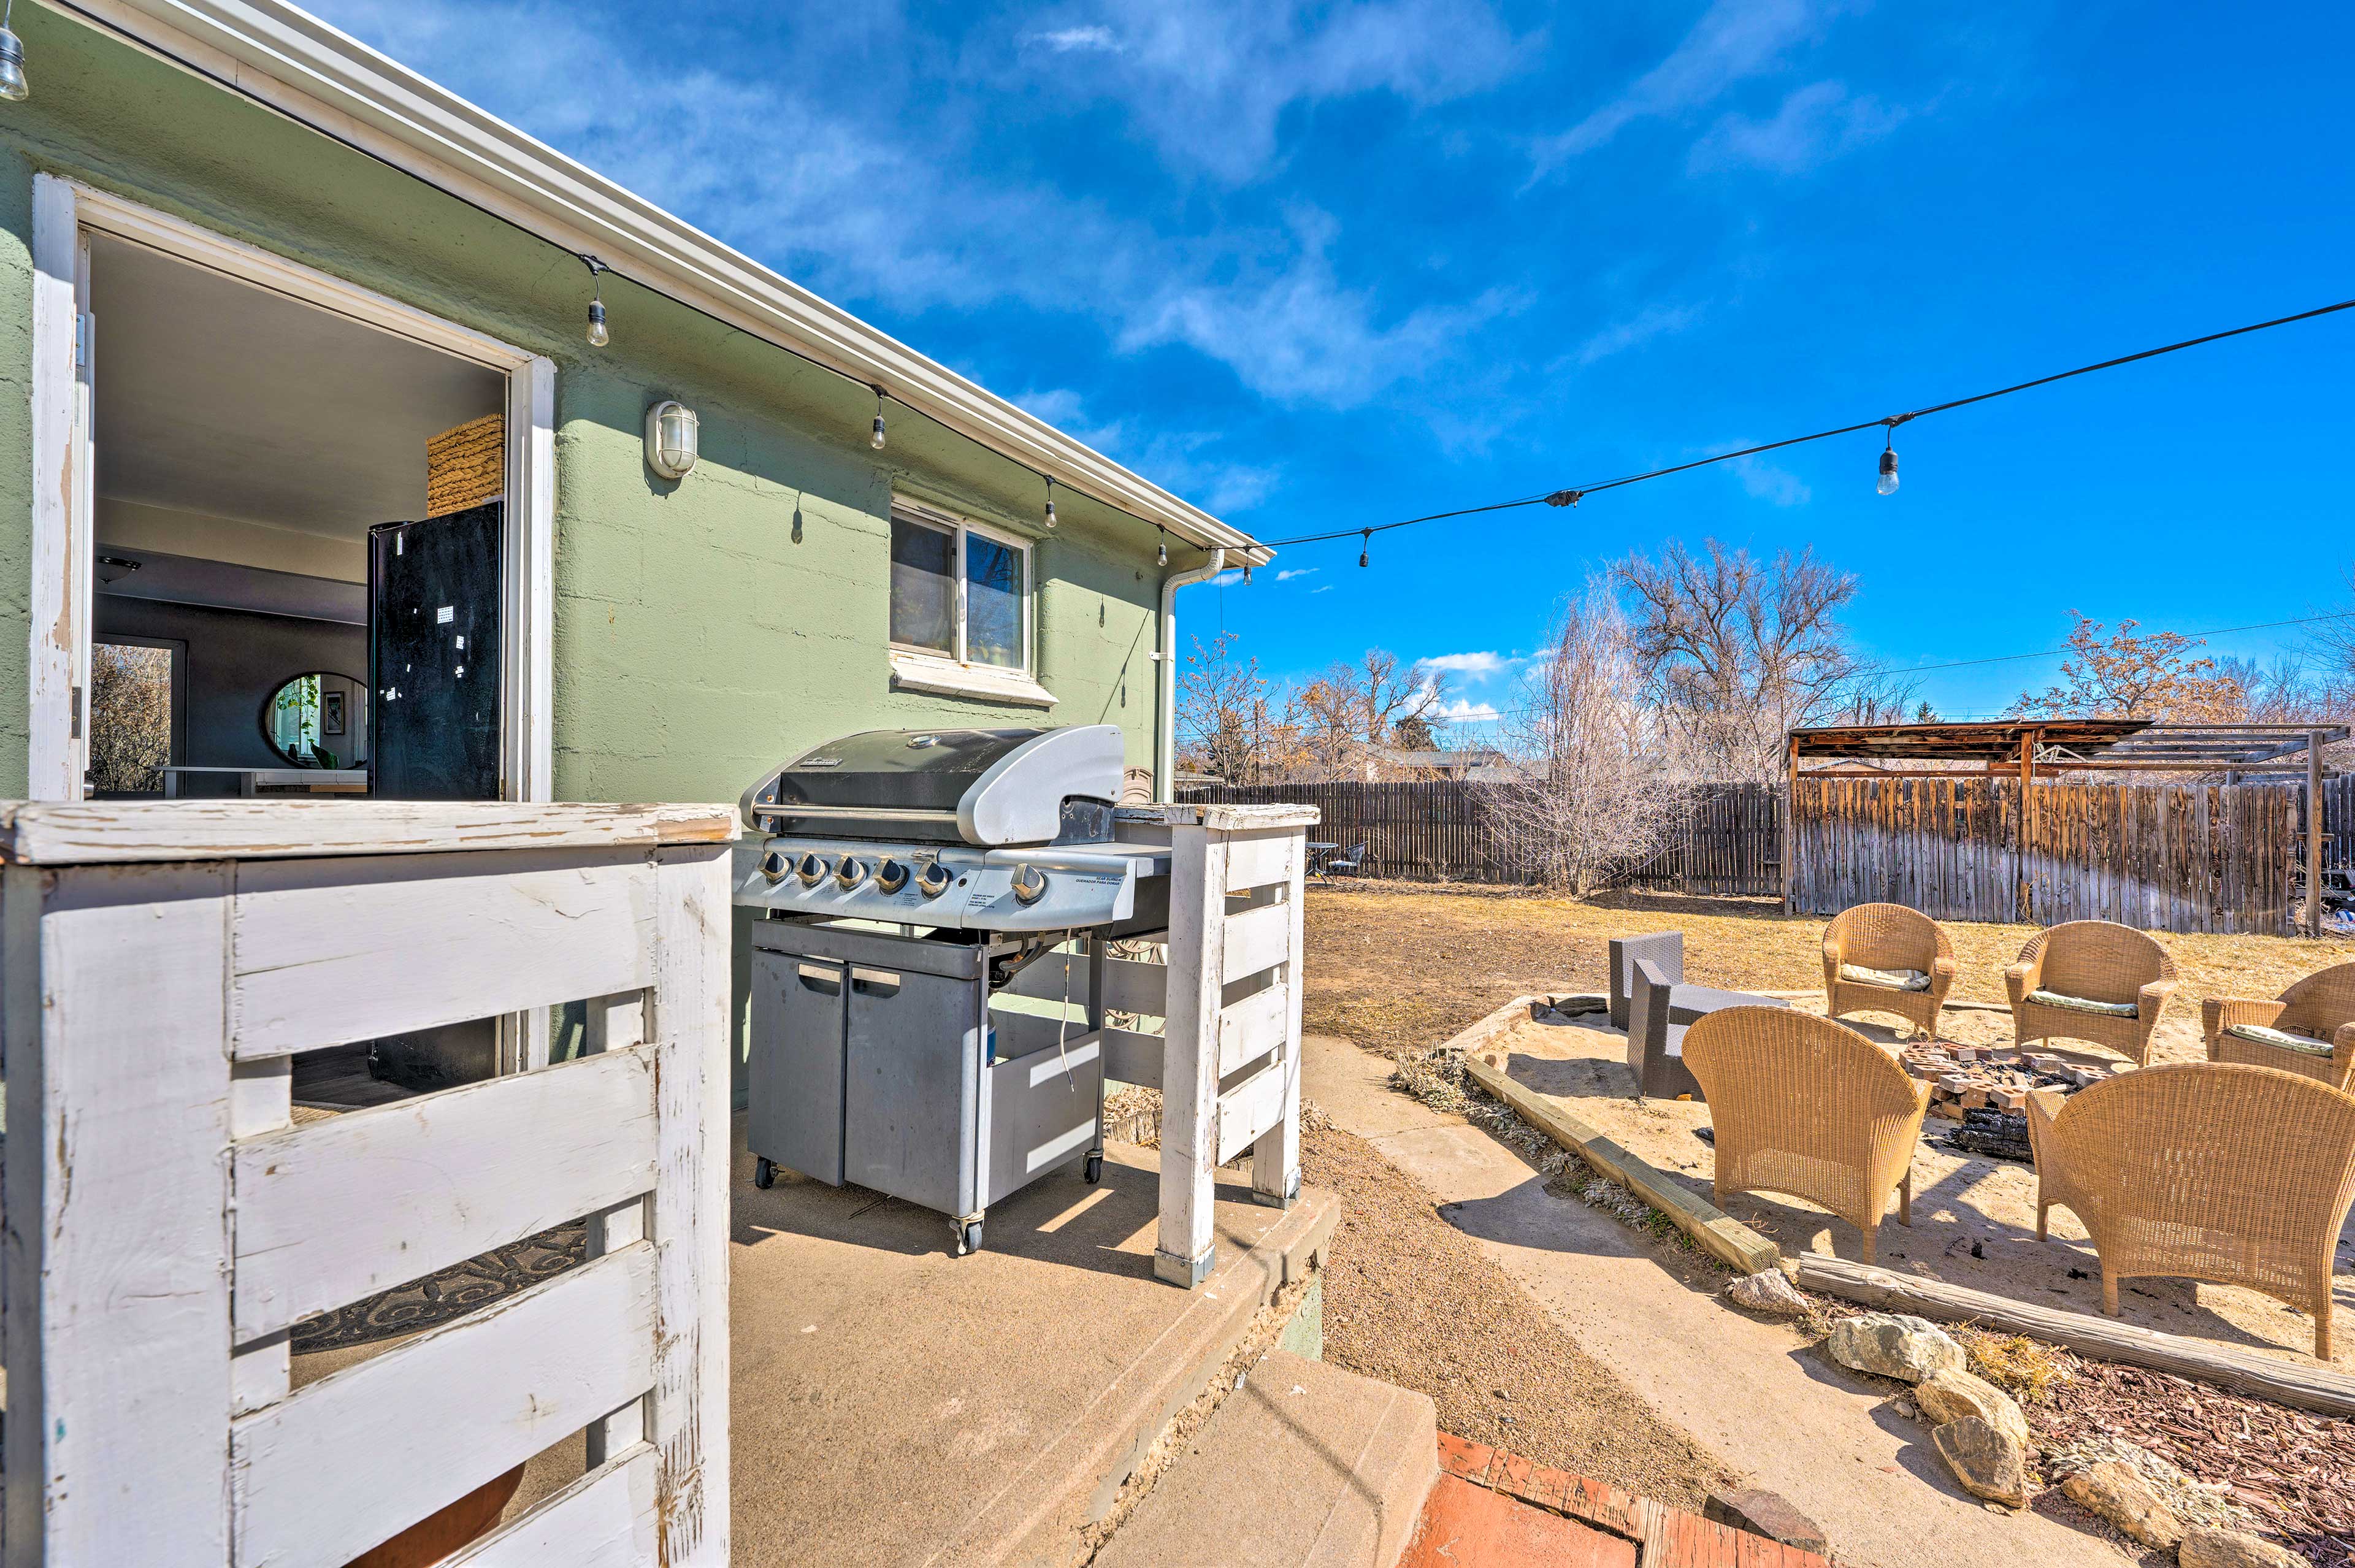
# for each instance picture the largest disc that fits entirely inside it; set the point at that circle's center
(466, 467)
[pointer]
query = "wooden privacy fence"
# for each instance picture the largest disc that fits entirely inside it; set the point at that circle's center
(1451, 830)
(2182, 858)
(169, 1222)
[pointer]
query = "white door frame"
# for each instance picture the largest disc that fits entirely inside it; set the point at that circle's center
(63, 477)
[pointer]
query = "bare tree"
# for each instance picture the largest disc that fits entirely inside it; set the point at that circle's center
(1735, 651)
(131, 718)
(1232, 722)
(2146, 674)
(1349, 715)
(1600, 788)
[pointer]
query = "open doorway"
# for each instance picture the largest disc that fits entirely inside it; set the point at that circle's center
(252, 452)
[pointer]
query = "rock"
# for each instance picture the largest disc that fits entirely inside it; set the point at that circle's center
(1769, 1514)
(2119, 1495)
(1894, 1345)
(2206, 1548)
(1767, 1291)
(1950, 1396)
(1990, 1463)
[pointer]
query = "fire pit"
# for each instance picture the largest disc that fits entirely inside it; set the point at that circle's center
(1985, 1088)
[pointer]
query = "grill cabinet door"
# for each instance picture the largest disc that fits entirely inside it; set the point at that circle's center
(795, 1090)
(911, 1087)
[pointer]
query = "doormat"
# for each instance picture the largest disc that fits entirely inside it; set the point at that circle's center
(437, 1298)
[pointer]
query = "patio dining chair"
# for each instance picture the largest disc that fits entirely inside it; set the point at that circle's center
(2091, 980)
(1887, 959)
(1810, 1108)
(2308, 1028)
(1349, 862)
(2214, 1171)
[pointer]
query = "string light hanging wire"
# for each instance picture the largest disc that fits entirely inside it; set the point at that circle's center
(1887, 421)
(876, 440)
(598, 335)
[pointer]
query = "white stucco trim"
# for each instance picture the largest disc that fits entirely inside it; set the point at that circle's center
(63, 499)
(312, 73)
(929, 672)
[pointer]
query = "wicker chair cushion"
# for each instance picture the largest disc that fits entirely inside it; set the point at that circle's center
(2083, 1004)
(1887, 980)
(2280, 1037)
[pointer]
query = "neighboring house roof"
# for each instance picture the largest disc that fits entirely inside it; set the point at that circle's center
(1400, 758)
(296, 63)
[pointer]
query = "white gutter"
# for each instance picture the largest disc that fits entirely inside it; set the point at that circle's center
(1165, 679)
(299, 66)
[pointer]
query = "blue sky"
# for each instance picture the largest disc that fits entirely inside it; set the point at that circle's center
(1318, 267)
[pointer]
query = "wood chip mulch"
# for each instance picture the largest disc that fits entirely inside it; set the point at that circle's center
(2296, 1471)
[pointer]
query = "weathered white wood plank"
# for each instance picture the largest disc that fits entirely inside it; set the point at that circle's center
(1250, 1109)
(1223, 819)
(1275, 1158)
(688, 1408)
(605, 1520)
(1250, 1029)
(465, 935)
(117, 1266)
(431, 1419)
(58, 833)
(1254, 940)
(1261, 860)
(341, 1209)
(1131, 985)
(1133, 1058)
(1185, 1252)
(261, 1100)
(61, 505)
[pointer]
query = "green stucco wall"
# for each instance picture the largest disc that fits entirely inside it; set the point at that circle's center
(704, 629)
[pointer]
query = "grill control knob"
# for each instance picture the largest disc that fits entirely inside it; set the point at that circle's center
(851, 873)
(932, 879)
(890, 876)
(1029, 884)
(814, 869)
(775, 865)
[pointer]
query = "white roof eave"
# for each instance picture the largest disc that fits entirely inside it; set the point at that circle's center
(309, 71)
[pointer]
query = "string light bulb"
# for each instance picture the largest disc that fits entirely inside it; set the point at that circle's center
(1886, 484)
(1161, 552)
(598, 335)
(14, 88)
(876, 440)
(1366, 548)
(1050, 500)
(1247, 574)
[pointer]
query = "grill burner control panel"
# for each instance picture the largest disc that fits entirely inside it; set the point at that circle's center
(1037, 889)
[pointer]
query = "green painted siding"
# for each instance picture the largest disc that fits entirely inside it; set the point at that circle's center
(704, 629)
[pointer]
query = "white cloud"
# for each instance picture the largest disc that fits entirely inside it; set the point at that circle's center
(1476, 665)
(1777, 486)
(1182, 462)
(1077, 40)
(1815, 125)
(1290, 572)
(1463, 710)
(1734, 40)
(1656, 321)
(877, 200)
(1326, 589)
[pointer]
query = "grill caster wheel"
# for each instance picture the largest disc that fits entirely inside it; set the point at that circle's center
(764, 1173)
(968, 1238)
(1095, 1172)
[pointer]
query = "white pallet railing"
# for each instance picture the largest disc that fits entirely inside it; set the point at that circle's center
(168, 1225)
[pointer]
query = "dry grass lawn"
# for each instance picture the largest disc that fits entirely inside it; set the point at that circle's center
(1400, 967)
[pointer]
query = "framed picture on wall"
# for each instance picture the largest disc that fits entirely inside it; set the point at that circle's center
(331, 713)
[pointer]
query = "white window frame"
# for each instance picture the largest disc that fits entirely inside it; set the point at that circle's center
(954, 673)
(64, 528)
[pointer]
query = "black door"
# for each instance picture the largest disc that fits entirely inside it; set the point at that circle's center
(433, 655)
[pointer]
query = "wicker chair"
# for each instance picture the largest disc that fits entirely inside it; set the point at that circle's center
(2090, 980)
(1888, 940)
(2320, 1011)
(2199, 1171)
(1810, 1108)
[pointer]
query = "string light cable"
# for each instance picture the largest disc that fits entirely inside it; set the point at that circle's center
(1887, 424)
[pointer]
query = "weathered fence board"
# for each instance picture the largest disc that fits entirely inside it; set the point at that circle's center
(2187, 857)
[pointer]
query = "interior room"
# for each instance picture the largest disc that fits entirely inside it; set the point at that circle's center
(253, 454)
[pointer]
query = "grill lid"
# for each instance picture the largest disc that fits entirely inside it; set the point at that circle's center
(975, 786)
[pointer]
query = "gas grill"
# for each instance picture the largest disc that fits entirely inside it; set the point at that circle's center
(905, 877)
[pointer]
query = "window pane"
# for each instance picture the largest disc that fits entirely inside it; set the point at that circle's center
(130, 717)
(993, 602)
(923, 587)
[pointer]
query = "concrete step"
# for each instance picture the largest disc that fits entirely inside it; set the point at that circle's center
(1305, 1465)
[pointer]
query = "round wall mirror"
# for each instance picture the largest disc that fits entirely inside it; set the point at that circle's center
(317, 720)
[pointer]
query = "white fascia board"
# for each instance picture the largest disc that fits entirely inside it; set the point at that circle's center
(307, 71)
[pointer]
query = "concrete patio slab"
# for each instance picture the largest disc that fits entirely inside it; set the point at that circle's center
(1753, 1392)
(894, 1404)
